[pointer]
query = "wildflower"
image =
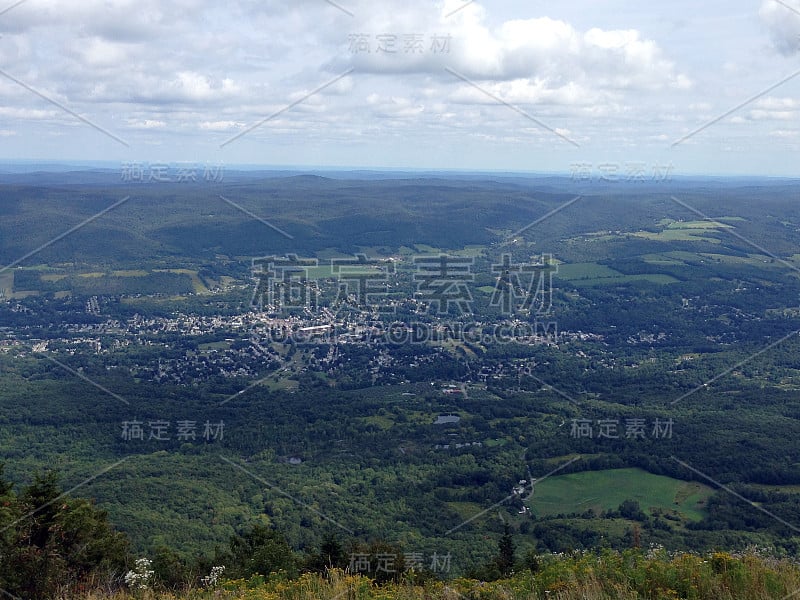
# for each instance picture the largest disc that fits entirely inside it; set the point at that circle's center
(141, 574)
(212, 579)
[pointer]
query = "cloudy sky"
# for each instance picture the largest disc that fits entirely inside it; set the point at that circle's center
(631, 86)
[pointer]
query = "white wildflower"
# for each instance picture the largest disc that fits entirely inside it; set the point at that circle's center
(212, 579)
(140, 576)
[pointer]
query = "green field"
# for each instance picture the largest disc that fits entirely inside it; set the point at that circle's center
(682, 258)
(53, 277)
(577, 271)
(686, 231)
(591, 274)
(7, 283)
(197, 284)
(658, 278)
(698, 225)
(605, 490)
(663, 258)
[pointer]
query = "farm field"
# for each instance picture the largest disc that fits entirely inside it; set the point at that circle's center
(606, 490)
(592, 274)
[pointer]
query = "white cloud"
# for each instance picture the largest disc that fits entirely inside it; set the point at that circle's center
(146, 124)
(174, 74)
(220, 125)
(773, 103)
(99, 52)
(526, 91)
(771, 108)
(551, 54)
(28, 113)
(783, 24)
(394, 107)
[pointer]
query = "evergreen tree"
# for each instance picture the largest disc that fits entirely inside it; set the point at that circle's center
(506, 550)
(51, 542)
(261, 550)
(331, 555)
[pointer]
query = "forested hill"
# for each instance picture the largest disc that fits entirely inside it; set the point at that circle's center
(640, 388)
(190, 220)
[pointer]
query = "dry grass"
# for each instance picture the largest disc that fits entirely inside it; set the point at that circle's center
(605, 576)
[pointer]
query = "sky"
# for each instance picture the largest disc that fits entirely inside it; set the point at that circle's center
(600, 88)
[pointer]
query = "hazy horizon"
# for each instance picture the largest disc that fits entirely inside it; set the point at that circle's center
(30, 166)
(454, 86)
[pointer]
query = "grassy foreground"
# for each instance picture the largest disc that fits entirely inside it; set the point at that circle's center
(607, 575)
